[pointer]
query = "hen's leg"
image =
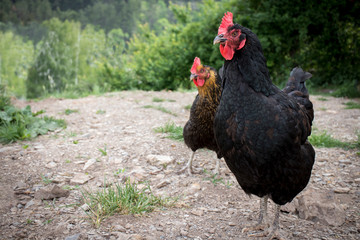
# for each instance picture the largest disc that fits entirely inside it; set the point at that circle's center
(273, 231)
(188, 166)
(217, 167)
(262, 223)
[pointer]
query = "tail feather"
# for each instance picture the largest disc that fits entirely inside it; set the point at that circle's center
(296, 88)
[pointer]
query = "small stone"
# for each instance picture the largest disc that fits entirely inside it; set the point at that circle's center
(160, 159)
(342, 190)
(85, 207)
(232, 224)
(183, 232)
(119, 228)
(29, 204)
(51, 165)
(89, 163)
(55, 192)
(197, 212)
(73, 237)
(80, 179)
(163, 184)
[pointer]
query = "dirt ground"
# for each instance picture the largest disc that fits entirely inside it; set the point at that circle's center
(205, 210)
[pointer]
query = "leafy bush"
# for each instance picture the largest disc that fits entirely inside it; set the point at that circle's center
(20, 124)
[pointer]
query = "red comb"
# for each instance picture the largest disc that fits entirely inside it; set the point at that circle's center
(227, 21)
(195, 64)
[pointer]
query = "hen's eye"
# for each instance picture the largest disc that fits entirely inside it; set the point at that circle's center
(202, 70)
(234, 34)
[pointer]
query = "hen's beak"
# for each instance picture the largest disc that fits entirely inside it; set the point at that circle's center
(192, 76)
(219, 39)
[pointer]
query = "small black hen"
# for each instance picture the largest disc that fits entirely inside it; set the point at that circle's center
(261, 130)
(199, 130)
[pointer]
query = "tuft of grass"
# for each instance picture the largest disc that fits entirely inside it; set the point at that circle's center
(100, 111)
(20, 124)
(70, 111)
(173, 131)
(160, 108)
(352, 105)
(156, 99)
(46, 180)
(322, 99)
(188, 107)
(123, 199)
(325, 140)
(103, 151)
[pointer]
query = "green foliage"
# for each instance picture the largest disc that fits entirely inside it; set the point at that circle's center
(70, 111)
(173, 131)
(318, 36)
(15, 58)
(20, 124)
(98, 46)
(162, 109)
(325, 140)
(352, 105)
(123, 199)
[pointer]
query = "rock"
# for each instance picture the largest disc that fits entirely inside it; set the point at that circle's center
(119, 228)
(342, 190)
(89, 163)
(80, 179)
(55, 192)
(29, 204)
(51, 165)
(160, 159)
(163, 184)
(197, 212)
(320, 206)
(73, 237)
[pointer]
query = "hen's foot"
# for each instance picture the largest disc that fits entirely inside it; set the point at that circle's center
(257, 227)
(270, 233)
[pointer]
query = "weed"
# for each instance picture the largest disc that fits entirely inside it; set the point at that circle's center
(322, 99)
(322, 109)
(46, 180)
(123, 199)
(20, 124)
(174, 132)
(352, 105)
(103, 151)
(29, 221)
(119, 171)
(25, 146)
(156, 99)
(100, 112)
(188, 107)
(70, 111)
(160, 108)
(75, 142)
(213, 178)
(325, 140)
(67, 161)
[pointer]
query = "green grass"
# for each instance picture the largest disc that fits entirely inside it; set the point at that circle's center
(70, 111)
(122, 199)
(173, 131)
(103, 151)
(352, 105)
(322, 99)
(325, 140)
(21, 124)
(100, 111)
(156, 99)
(188, 107)
(160, 108)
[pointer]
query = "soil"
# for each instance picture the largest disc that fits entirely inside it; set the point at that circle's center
(209, 207)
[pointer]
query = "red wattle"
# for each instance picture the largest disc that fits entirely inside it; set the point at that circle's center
(226, 51)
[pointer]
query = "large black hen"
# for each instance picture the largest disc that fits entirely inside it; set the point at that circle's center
(199, 129)
(261, 130)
